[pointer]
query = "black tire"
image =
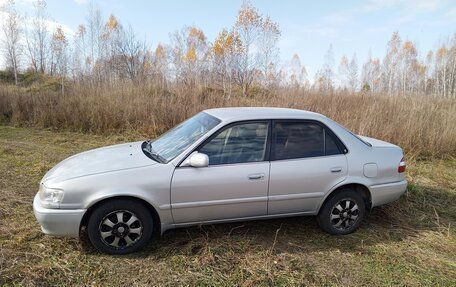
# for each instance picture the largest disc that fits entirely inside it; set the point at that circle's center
(133, 231)
(335, 221)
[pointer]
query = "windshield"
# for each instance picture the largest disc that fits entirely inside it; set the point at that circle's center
(175, 141)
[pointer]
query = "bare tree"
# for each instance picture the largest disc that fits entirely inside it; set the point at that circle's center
(12, 36)
(160, 64)
(248, 25)
(353, 73)
(37, 38)
(189, 53)
(371, 75)
(343, 72)
(268, 52)
(94, 41)
(59, 64)
(429, 81)
(80, 57)
(408, 67)
(390, 64)
(298, 73)
(107, 53)
(324, 78)
(445, 69)
(112, 40)
(226, 49)
(131, 55)
(348, 73)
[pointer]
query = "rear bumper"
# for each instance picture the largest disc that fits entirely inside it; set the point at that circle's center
(385, 193)
(58, 222)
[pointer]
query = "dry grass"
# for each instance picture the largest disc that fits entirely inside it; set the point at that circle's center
(421, 125)
(411, 242)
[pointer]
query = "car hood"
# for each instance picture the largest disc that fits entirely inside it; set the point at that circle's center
(100, 160)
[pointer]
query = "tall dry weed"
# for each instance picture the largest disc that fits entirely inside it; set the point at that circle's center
(421, 125)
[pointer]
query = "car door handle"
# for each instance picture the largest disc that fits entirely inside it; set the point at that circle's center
(256, 176)
(336, 169)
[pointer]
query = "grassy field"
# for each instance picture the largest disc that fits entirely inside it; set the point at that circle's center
(411, 242)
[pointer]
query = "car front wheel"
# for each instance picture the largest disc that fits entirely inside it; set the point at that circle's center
(342, 213)
(120, 226)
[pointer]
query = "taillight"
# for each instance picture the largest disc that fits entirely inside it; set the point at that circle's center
(402, 165)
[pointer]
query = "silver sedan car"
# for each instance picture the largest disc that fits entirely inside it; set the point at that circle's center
(221, 165)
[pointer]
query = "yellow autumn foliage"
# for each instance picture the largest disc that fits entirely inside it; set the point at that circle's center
(197, 34)
(248, 16)
(160, 52)
(147, 64)
(112, 23)
(409, 47)
(227, 42)
(190, 56)
(442, 51)
(59, 35)
(219, 43)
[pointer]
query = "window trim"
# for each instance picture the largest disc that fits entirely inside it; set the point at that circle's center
(267, 152)
(340, 145)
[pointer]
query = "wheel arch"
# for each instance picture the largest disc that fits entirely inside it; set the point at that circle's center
(150, 208)
(358, 187)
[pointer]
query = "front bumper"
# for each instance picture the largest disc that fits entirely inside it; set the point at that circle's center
(385, 193)
(58, 222)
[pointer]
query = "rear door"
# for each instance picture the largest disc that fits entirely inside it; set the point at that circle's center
(307, 160)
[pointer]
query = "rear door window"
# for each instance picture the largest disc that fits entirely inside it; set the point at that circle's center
(301, 139)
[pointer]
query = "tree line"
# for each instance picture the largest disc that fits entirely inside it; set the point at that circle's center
(104, 52)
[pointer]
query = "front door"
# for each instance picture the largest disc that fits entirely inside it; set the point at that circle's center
(307, 161)
(234, 185)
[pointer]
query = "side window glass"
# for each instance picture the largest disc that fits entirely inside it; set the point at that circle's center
(331, 147)
(298, 140)
(238, 144)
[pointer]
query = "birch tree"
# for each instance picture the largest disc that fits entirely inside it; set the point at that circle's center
(353, 74)
(37, 38)
(59, 47)
(12, 33)
(247, 26)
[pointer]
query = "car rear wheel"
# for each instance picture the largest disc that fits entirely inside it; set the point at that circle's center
(120, 226)
(342, 213)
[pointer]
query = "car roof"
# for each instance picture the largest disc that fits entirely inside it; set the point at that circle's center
(254, 113)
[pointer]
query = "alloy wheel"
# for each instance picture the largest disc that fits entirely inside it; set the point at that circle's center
(120, 229)
(344, 214)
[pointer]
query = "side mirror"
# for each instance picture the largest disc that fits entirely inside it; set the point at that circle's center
(199, 160)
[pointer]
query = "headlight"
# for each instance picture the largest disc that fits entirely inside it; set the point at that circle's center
(50, 197)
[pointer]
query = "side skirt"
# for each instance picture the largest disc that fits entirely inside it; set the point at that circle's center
(241, 219)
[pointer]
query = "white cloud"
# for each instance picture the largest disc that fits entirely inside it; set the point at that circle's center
(52, 25)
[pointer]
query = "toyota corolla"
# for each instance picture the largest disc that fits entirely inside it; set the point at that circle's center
(221, 165)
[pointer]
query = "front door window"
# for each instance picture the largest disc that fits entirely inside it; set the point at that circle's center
(240, 143)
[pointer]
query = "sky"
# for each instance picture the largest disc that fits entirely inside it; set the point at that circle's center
(308, 27)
